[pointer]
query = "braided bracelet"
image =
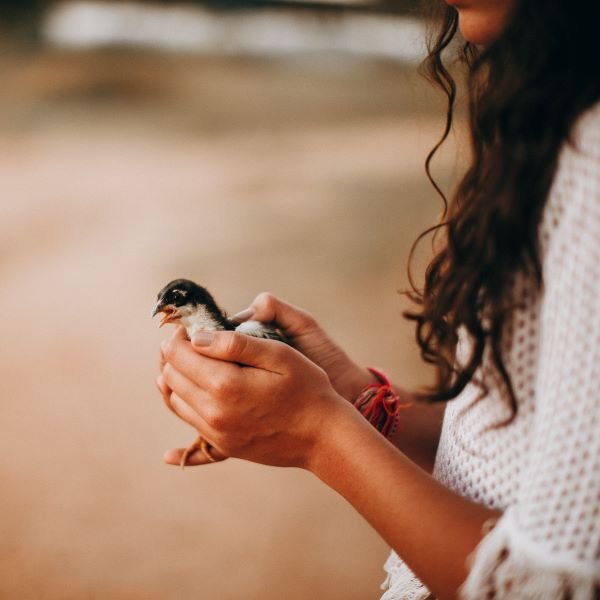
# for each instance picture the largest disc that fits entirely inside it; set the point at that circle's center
(380, 405)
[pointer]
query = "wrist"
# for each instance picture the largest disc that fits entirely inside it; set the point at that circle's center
(331, 443)
(355, 381)
(380, 404)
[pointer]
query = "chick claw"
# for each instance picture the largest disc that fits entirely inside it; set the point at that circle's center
(199, 444)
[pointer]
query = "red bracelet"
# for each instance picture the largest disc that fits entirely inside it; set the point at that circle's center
(380, 405)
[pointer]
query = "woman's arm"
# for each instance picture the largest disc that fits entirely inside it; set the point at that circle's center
(433, 529)
(263, 401)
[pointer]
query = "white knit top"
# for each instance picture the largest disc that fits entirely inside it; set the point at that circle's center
(542, 470)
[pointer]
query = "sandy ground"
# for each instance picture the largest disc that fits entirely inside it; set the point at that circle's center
(120, 172)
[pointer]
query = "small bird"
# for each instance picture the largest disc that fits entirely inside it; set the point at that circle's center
(186, 303)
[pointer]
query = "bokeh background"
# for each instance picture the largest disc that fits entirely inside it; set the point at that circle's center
(251, 147)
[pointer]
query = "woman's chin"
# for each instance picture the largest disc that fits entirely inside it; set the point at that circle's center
(480, 27)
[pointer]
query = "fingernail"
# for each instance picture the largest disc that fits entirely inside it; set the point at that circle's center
(203, 338)
(244, 315)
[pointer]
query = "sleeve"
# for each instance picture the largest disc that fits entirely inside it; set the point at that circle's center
(547, 544)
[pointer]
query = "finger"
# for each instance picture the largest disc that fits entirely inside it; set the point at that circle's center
(267, 308)
(195, 459)
(165, 391)
(161, 361)
(186, 413)
(178, 335)
(243, 315)
(199, 369)
(240, 349)
(186, 389)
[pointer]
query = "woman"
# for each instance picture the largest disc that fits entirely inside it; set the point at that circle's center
(509, 317)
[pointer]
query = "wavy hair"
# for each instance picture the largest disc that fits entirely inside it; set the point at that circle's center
(525, 91)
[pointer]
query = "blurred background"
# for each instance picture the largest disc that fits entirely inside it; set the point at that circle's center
(249, 146)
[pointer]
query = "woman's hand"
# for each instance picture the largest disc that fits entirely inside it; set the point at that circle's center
(253, 399)
(305, 334)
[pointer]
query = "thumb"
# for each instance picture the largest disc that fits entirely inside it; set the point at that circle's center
(267, 308)
(235, 347)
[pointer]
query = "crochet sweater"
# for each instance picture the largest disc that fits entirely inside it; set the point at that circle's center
(543, 469)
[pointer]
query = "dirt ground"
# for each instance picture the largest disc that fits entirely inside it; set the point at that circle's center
(119, 172)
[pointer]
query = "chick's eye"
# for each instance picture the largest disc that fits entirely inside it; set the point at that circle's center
(177, 295)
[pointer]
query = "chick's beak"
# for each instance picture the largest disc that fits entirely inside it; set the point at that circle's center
(169, 312)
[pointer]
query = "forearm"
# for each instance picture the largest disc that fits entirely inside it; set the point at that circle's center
(432, 528)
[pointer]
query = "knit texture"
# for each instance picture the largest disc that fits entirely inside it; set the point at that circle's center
(543, 469)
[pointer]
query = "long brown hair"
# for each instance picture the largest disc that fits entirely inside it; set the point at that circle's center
(525, 91)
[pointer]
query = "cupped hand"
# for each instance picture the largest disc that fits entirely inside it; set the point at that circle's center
(307, 336)
(254, 399)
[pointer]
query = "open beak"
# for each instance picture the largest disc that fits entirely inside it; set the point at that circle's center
(169, 313)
